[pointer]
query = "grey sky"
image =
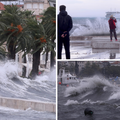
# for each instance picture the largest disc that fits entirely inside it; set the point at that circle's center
(89, 8)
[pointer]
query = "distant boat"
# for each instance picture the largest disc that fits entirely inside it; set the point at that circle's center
(66, 78)
(115, 14)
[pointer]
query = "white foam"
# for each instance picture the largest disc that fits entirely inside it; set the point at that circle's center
(99, 27)
(92, 102)
(88, 84)
(71, 102)
(115, 95)
(19, 86)
(8, 109)
(8, 70)
(105, 88)
(51, 76)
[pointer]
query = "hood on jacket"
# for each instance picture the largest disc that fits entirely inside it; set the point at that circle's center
(63, 13)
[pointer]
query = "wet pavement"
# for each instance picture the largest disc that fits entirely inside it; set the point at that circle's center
(82, 49)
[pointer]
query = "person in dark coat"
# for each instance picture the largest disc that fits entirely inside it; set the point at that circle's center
(64, 26)
(112, 27)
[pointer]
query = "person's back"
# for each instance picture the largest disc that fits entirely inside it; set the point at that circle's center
(64, 22)
(64, 26)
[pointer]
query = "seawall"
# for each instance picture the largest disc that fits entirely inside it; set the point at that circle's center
(24, 104)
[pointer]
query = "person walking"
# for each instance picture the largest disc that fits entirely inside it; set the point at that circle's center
(65, 24)
(112, 27)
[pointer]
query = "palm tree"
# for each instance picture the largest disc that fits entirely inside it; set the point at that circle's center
(13, 30)
(49, 23)
(2, 52)
(40, 42)
(20, 31)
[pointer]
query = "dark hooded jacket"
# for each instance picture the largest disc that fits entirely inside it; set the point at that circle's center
(112, 24)
(64, 22)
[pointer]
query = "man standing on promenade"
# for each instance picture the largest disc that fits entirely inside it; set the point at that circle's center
(112, 27)
(64, 26)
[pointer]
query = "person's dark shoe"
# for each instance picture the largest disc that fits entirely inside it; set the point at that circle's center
(116, 40)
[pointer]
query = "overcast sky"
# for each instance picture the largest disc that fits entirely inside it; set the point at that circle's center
(89, 8)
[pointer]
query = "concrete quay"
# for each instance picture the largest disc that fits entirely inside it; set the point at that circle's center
(105, 45)
(81, 37)
(25, 104)
(108, 50)
(95, 42)
(93, 47)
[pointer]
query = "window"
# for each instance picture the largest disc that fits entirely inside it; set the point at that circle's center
(41, 6)
(29, 6)
(35, 5)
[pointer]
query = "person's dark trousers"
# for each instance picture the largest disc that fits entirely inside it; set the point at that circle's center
(59, 48)
(113, 31)
(66, 42)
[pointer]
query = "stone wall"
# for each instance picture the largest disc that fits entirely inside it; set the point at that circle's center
(25, 104)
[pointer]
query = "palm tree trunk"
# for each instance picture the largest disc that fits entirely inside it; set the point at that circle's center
(46, 58)
(36, 63)
(24, 68)
(52, 58)
(11, 50)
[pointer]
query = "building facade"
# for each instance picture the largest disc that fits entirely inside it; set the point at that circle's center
(38, 6)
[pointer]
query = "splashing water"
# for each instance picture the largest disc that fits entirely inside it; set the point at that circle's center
(88, 84)
(28, 114)
(96, 88)
(96, 93)
(93, 26)
(71, 102)
(12, 85)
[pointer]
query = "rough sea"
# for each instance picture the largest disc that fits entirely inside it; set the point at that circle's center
(92, 26)
(42, 88)
(96, 93)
